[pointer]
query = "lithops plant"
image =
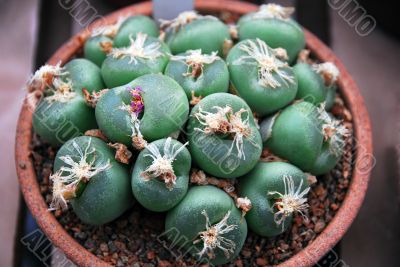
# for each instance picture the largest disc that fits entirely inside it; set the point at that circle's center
(62, 112)
(295, 134)
(133, 25)
(84, 75)
(96, 49)
(119, 34)
(87, 175)
(305, 135)
(150, 107)
(160, 177)
(260, 77)
(272, 24)
(330, 74)
(311, 86)
(208, 225)
(276, 191)
(144, 55)
(199, 74)
(100, 42)
(223, 136)
(335, 135)
(316, 82)
(191, 31)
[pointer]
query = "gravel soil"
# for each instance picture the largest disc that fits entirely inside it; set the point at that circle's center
(136, 238)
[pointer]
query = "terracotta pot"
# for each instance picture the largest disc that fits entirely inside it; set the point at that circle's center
(310, 254)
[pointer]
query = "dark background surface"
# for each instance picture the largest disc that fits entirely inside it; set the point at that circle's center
(373, 239)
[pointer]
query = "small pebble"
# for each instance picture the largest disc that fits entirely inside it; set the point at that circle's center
(319, 226)
(246, 253)
(103, 247)
(239, 263)
(112, 247)
(151, 255)
(261, 262)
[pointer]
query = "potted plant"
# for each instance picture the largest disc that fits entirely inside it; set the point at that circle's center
(85, 167)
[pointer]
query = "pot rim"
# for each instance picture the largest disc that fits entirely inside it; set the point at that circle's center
(308, 256)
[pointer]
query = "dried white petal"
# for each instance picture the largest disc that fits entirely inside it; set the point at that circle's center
(46, 74)
(328, 71)
(215, 122)
(109, 30)
(161, 166)
(181, 20)
(333, 130)
(212, 237)
(281, 53)
(75, 171)
(62, 91)
(59, 200)
(225, 121)
(270, 11)
(258, 53)
(195, 60)
(66, 180)
(291, 201)
(244, 204)
(138, 50)
(240, 129)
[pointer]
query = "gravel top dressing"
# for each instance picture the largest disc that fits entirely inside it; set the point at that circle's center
(137, 238)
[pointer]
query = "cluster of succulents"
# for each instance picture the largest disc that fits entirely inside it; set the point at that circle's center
(158, 116)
